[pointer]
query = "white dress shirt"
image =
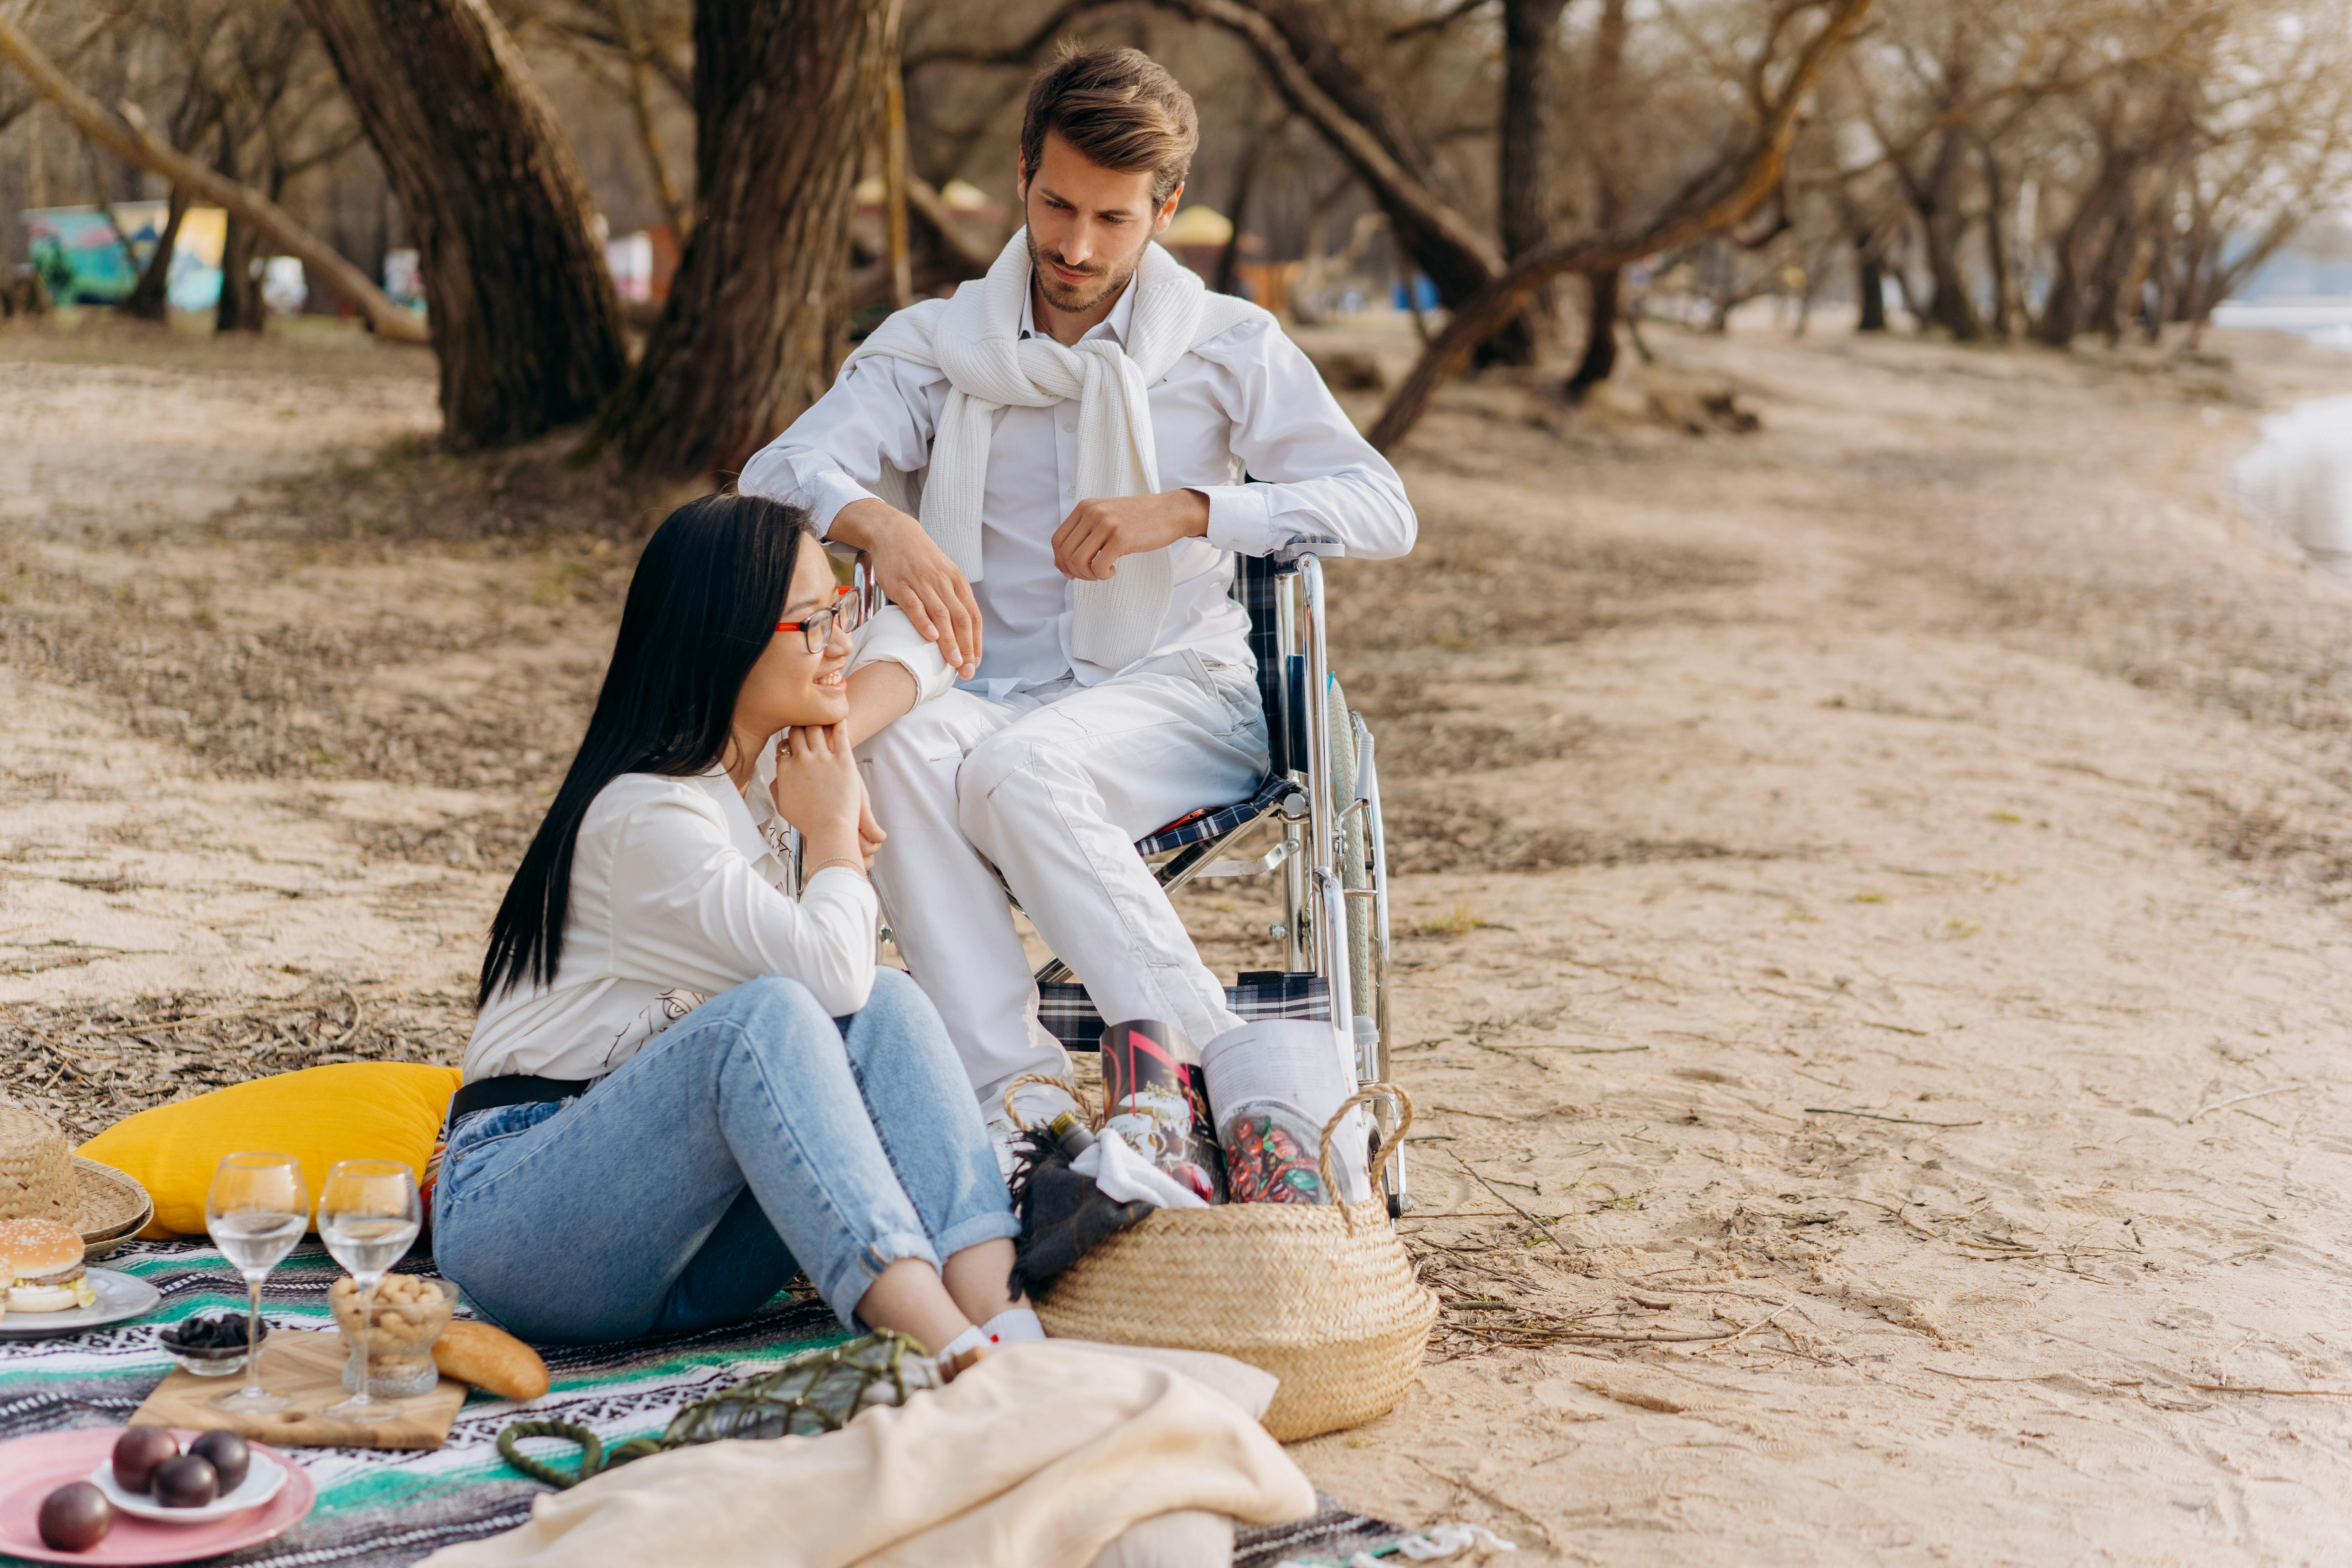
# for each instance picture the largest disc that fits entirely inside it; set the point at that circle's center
(677, 895)
(1246, 402)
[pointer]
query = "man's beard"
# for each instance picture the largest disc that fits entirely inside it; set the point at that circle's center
(1085, 296)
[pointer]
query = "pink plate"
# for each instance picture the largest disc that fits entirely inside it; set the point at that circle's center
(32, 1467)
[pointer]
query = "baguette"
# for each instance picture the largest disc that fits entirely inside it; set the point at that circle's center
(490, 1358)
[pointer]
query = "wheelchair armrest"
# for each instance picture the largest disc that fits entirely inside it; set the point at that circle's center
(1304, 544)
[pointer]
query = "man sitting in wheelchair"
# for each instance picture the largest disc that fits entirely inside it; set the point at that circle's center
(1047, 473)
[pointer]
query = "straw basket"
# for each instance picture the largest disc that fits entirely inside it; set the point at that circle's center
(1322, 1295)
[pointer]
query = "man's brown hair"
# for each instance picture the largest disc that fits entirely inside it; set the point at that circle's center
(1118, 108)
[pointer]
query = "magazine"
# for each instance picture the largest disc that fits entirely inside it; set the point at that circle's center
(1272, 1084)
(1154, 1099)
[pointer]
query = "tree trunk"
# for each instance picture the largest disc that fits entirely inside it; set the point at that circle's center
(2100, 217)
(1938, 203)
(1869, 286)
(1996, 226)
(240, 309)
(522, 311)
(1900, 271)
(1530, 94)
(150, 299)
(1600, 358)
(2062, 307)
(1603, 288)
(784, 99)
(1237, 208)
(2108, 279)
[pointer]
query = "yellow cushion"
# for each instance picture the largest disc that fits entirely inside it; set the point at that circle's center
(346, 1110)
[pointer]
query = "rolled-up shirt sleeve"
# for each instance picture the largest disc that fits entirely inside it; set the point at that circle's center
(880, 411)
(891, 637)
(1317, 474)
(689, 909)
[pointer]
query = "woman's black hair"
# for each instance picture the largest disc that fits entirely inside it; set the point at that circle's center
(701, 609)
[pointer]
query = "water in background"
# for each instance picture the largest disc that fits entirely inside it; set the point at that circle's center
(2325, 320)
(2300, 480)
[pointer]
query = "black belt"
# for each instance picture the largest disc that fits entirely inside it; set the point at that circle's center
(514, 1089)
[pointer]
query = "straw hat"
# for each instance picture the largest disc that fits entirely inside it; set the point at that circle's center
(36, 1180)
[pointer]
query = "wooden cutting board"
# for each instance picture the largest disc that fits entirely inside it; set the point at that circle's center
(308, 1366)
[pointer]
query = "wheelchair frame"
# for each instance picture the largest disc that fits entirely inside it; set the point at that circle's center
(1335, 897)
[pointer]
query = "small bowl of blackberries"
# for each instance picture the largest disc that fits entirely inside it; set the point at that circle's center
(209, 1346)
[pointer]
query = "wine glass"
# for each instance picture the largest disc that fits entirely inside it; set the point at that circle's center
(368, 1214)
(256, 1211)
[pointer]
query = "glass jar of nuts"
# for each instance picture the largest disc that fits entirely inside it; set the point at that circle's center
(410, 1311)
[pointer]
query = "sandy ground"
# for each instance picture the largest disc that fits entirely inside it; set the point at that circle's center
(1872, 922)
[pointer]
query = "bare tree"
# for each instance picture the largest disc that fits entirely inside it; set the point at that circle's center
(784, 100)
(640, 51)
(127, 136)
(523, 314)
(1721, 195)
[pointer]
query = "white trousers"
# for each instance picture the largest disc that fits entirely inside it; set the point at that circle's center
(1053, 787)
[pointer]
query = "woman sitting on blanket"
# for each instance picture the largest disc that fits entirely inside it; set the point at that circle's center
(758, 1099)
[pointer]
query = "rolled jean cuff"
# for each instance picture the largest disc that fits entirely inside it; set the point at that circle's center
(845, 1284)
(971, 1232)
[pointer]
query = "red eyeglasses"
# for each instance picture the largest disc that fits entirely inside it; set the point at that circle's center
(816, 630)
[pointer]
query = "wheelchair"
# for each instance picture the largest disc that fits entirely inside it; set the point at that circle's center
(1315, 822)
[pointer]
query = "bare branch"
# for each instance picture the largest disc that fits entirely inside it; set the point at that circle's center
(1399, 189)
(1728, 192)
(1436, 21)
(127, 137)
(1021, 50)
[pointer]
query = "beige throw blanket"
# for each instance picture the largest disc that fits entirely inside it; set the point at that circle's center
(1036, 1458)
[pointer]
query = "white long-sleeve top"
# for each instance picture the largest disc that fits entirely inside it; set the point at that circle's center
(1246, 401)
(676, 894)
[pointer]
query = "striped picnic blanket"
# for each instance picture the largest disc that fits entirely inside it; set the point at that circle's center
(385, 1510)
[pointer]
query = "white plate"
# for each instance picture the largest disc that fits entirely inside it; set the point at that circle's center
(120, 1296)
(261, 1482)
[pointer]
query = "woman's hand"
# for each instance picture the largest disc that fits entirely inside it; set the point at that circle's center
(817, 790)
(869, 832)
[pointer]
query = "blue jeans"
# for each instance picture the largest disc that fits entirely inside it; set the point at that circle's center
(753, 1139)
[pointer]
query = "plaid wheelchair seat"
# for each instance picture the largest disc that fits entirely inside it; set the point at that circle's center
(1071, 1018)
(1218, 822)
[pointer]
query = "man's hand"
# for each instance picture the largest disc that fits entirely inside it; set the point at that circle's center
(1097, 533)
(917, 575)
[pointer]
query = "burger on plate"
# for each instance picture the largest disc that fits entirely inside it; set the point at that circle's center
(44, 1269)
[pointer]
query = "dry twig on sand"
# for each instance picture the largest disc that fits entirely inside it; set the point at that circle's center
(87, 1067)
(2239, 1098)
(1875, 1116)
(1544, 1229)
(2243, 1388)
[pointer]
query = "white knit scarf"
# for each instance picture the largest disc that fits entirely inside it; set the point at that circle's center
(975, 339)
